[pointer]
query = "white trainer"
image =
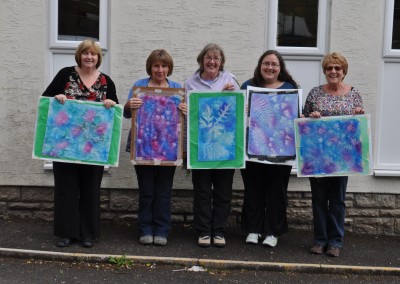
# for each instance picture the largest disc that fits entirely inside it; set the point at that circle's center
(252, 238)
(270, 241)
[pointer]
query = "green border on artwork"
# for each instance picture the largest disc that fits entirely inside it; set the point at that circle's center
(41, 123)
(239, 161)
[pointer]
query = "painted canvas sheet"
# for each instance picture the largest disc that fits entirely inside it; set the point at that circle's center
(157, 127)
(216, 130)
(271, 113)
(77, 132)
(333, 146)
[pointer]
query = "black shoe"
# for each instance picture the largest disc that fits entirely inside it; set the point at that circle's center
(64, 242)
(87, 243)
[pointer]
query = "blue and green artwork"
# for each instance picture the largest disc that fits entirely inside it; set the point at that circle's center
(333, 146)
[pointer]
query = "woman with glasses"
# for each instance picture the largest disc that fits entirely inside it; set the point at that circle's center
(328, 193)
(265, 195)
(212, 187)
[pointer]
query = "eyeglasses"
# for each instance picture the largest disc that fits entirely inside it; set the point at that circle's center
(216, 59)
(272, 64)
(337, 68)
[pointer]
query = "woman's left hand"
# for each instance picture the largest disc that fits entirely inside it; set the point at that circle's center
(358, 110)
(109, 103)
(228, 87)
(183, 108)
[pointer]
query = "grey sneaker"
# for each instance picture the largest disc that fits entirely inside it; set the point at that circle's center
(204, 241)
(160, 241)
(219, 241)
(146, 240)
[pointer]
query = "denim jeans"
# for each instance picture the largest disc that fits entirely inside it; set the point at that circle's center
(155, 185)
(329, 209)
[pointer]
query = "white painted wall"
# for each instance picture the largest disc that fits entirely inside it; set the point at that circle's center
(182, 28)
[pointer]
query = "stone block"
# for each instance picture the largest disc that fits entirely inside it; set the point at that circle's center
(299, 203)
(24, 206)
(19, 214)
(389, 213)
(177, 218)
(368, 200)
(356, 212)
(124, 200)
(182, 205)
(34, 194)
(10, 193)
(43, 215)
(374, 226)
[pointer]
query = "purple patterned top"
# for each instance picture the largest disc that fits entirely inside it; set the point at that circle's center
(329, 105)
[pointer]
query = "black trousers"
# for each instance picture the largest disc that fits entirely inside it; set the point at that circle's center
(77, 200)
(265, 198)
(212, 199)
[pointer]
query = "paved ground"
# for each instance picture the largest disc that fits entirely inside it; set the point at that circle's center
(361, 254)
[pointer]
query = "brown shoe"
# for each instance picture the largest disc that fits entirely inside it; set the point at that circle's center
(317, 249)
(332, 251)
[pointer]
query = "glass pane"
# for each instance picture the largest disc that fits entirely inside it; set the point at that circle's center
(78, 19)
(396, 26)
(297, 23)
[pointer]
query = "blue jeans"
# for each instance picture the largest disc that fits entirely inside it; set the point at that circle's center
(155, 185)
(329, 210)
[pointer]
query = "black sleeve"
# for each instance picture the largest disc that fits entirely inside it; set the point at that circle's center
(111, 90)
(57, 86)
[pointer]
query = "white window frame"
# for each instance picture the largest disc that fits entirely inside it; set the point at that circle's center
(388, 34)
(103, 27)
(323, 18)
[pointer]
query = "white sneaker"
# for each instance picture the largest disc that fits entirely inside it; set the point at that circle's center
(252, 238)
(270, 241)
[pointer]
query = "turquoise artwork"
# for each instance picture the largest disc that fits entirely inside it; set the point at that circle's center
(216, 130)
(76, 131)
(333, 146)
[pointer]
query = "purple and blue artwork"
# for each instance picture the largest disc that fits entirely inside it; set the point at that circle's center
(333, 146)
(271, 130)
(217, 128)
(77, 131)
(158, 128)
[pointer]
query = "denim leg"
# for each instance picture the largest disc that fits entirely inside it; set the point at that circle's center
(337, 210)
(319, 193)
(145, 176)
(162, 200)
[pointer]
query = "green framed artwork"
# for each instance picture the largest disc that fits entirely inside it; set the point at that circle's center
(216, 130)
(77, 132)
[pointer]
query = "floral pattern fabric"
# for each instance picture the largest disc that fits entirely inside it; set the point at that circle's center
(329, 105)
(76, 89)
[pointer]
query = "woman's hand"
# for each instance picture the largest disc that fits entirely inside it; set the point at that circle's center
(228, 87)
(135, 103)
(61, 98)
(183, 108)
(315, 114)
(358, 110)
(109, 103)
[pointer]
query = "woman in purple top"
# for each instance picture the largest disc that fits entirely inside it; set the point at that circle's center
(211, 206)
(328, 194)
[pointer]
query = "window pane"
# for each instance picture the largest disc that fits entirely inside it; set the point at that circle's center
(78, 19)
(396, 26)
(297, 23)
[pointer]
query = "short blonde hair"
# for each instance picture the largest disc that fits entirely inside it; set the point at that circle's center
(335, 58)
(88, 45)
(159, 55)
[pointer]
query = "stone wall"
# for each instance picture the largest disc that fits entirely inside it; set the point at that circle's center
(367, 213)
